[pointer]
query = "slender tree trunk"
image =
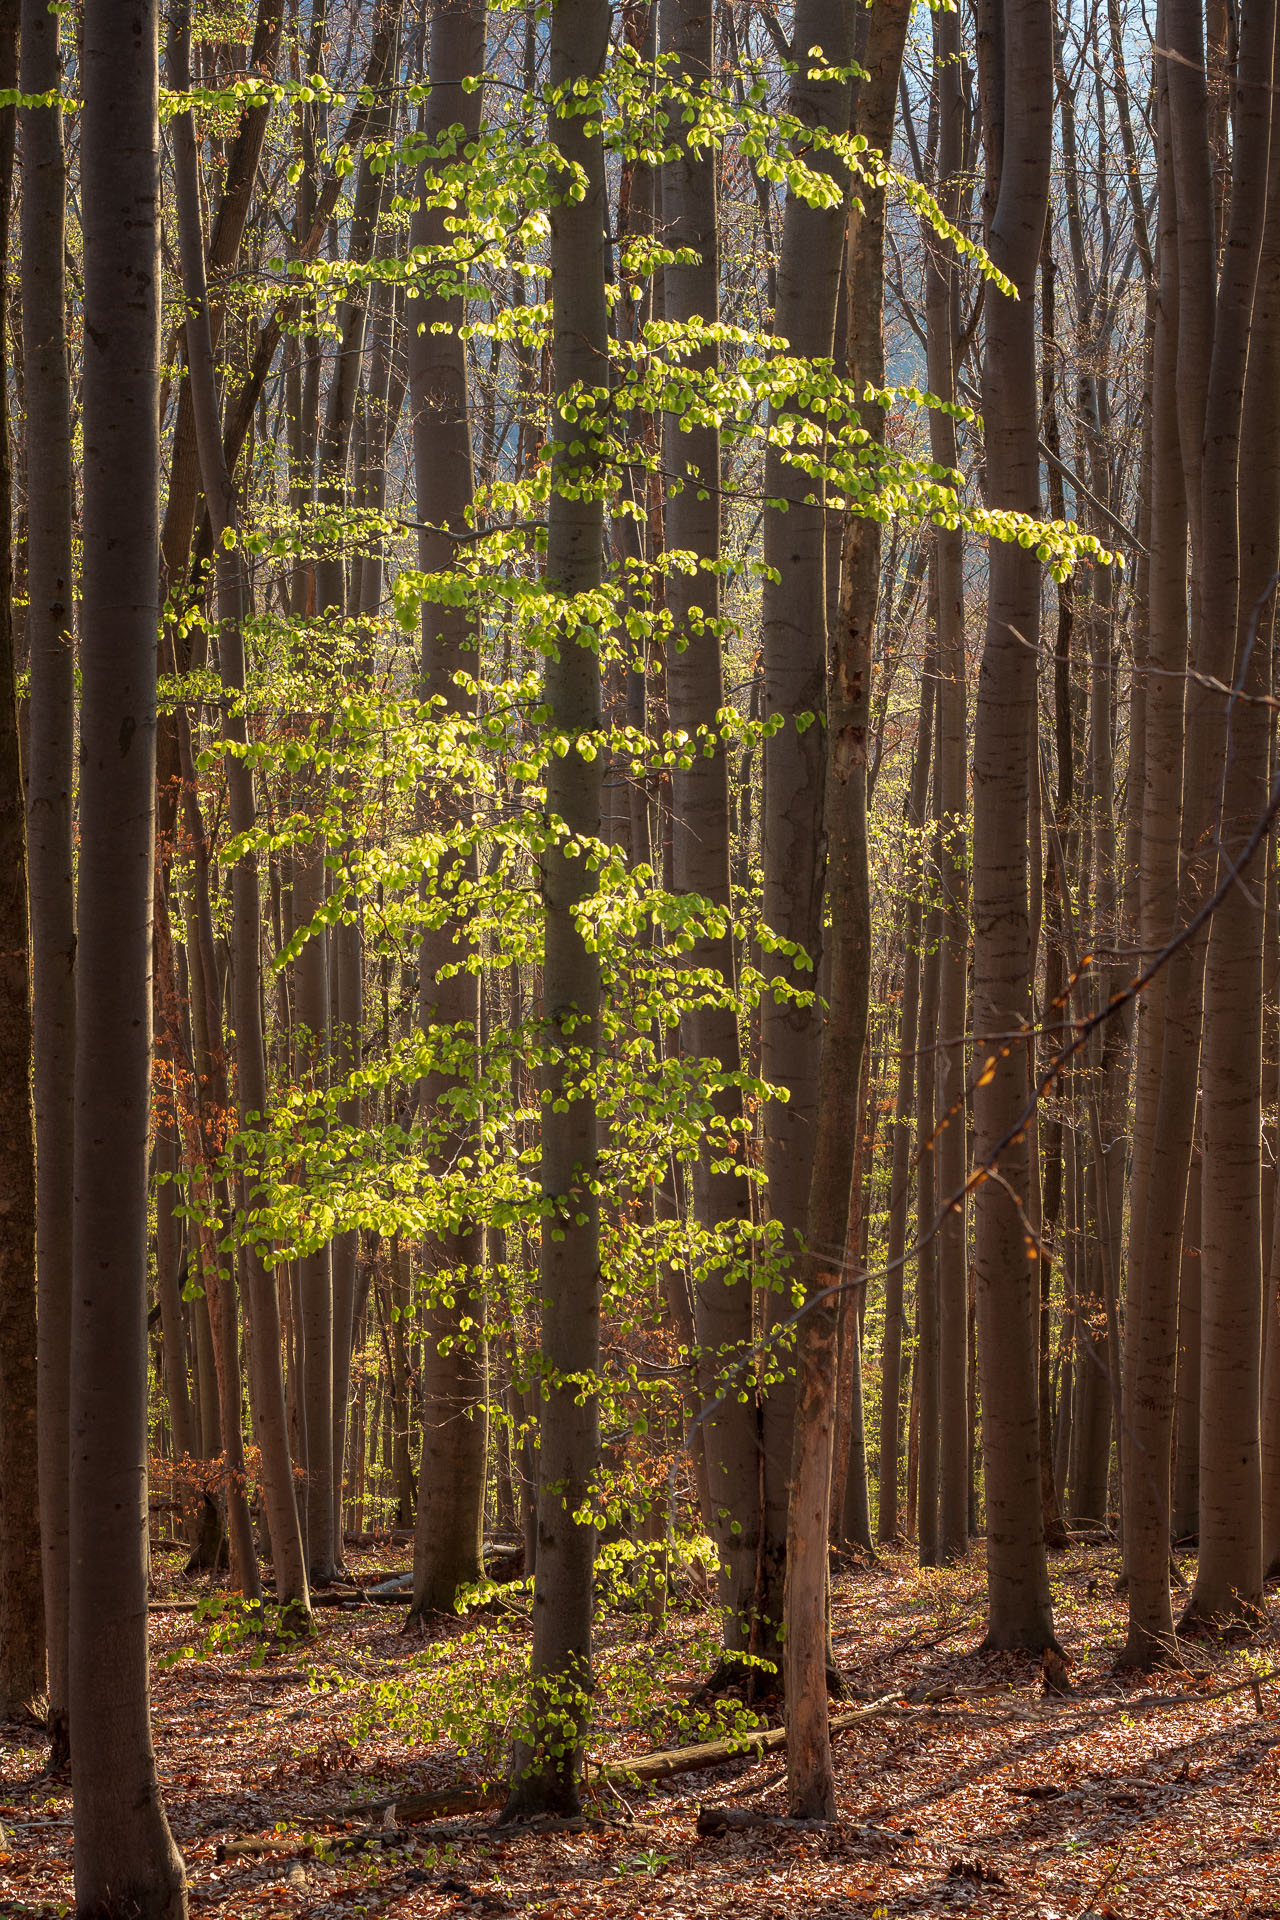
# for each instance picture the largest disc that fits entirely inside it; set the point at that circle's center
(22, 1623)
(1015, 83)
(900, 1164)
(51, 651)
(701, 841)
(266, 1393)
(794, 624)
(1229, 1566)
(169, 1294)
(125, 1860)
(928, 1358)
(850, 1492)
(1186, 1456)
(331, 581)
(1234, 565)
(942, 308)
(450, 1526)
(315, 1271)
(547, 1759)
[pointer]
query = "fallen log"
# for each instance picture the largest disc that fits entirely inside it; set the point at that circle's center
(398, 1585)
(714, 1753)
(642, 1768)
(389, 1837)
(417, 1807)
(714, 1821)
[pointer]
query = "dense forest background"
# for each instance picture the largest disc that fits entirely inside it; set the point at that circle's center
(637, 806)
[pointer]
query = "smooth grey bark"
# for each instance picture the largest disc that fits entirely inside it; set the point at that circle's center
(266, 1380)
(314, 1269)
(900, 1161)
(448, 1543)
(700, 836)
(125, 1860)
(230, 218)
(1015, 90)
(169, 1294)
(794, 646)
(313, 1273)
(1229, 1567)
(547, 1761)
(1153, 1309)
(1108, 1052)
(1185, 1521)
(951, 804)
(1220, 758)
(928, 1355)
(853, 577)
(346, 963)
(1056, 811)
(22, 1623)
(817, 238)
(51, 653)
(211, 1090)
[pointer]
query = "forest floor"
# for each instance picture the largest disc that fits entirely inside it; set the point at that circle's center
(977, 1793)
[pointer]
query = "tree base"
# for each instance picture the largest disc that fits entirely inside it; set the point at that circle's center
(1145, 1651)
(1201, 1620)
(854, 1556)
(58, 1727)
(541, 1797)
(734, 1670)
(211, 1552)
(1031, 1639)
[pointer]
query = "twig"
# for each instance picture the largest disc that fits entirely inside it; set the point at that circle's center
(1102, 1885)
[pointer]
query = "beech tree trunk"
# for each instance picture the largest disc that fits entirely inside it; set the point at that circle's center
(448, 1546)
(547, 1761)
(1015, 85)
(22, 1625)
(266, 1392)
(315, 1271)
(169, 1294)
(814, 236)
(794, 632)
(126, 1865)
(900, 1163)
(51, 652)
(951, 801)
(1157, 1322)
(701, 843)
(1241, 522)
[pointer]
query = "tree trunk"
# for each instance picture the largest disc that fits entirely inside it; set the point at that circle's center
(450, 1526)
(1229, 1567)
(1227, 749)
(1185, 1523)
(22, 1623)
(794, 629)
(794, 624)
(900, 1164)
(701, 843)
(1015, 85)
(950, 1155)
(51, 651)
(266, 1394)
(125, 1860)
(169, 1293)
(547, 1762)
(315, 1272)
